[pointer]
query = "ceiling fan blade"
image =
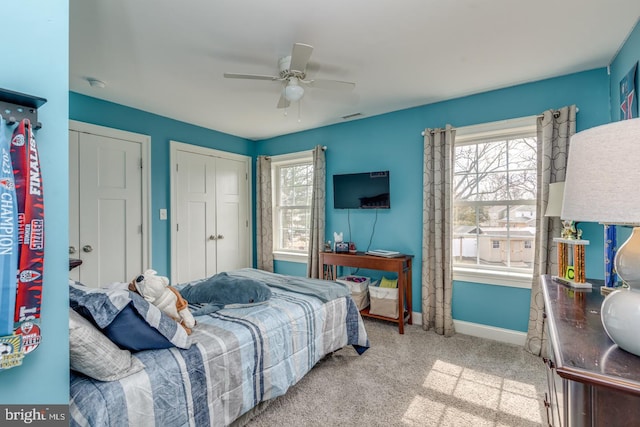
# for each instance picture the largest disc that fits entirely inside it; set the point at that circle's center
(331, 84)
(300, 55)
(283, 102)
(250, 76)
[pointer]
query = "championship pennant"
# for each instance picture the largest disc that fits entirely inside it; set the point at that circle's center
(8, 236)
(28, 183)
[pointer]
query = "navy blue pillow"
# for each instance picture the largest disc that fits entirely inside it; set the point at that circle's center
(130, 331)
(127, 319)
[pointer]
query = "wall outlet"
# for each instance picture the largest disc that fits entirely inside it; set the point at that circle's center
(163, 214)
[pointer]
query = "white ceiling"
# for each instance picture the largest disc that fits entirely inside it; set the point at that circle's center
(168, 57)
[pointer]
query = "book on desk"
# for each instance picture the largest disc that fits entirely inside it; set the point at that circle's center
(384, 253)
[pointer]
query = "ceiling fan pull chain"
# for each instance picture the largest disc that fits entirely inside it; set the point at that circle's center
(299, 102)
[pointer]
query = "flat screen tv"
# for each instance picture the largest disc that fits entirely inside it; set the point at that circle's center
(368, 190)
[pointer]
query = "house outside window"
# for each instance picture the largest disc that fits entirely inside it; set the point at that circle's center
(292, 180)
(494, 208)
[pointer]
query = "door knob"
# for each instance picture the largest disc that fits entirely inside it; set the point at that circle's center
(220, 236)
(212, 237)
(87, 248)
(72, 250)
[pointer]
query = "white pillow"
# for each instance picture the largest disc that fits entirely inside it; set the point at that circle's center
(94, 355)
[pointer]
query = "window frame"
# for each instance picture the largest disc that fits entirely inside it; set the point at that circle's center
(474, 134)
(278, 161)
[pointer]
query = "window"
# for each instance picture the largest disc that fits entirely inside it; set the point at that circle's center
(494, 205)
(292, 187)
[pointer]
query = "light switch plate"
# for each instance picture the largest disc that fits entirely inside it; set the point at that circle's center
(163, 214)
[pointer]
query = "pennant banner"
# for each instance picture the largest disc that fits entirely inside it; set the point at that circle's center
(28, 183)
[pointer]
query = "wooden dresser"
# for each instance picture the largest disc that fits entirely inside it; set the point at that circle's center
(591, 381)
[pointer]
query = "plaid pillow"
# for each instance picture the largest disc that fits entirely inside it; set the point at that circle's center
(126, 318)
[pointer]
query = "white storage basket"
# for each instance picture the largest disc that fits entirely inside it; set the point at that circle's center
(384, 301)
(355, 283)
(359, 287)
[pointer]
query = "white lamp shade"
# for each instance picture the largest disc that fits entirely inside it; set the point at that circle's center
(554, 204)
(293, 91)
(603, 175)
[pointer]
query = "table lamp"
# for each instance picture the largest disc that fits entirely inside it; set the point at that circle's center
(603, 185)
(554, 205)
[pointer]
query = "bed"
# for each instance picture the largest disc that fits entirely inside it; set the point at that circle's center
(234, 359)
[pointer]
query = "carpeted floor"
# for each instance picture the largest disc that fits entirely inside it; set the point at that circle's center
(416, 379)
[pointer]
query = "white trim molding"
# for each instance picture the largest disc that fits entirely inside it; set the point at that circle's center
(290, 257)
(507, 336)
(492, 277)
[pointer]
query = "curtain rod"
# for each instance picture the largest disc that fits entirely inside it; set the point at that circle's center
(422, 133)
(556, 114)
(324, 148)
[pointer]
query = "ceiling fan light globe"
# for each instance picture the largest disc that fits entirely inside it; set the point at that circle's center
(293, 92)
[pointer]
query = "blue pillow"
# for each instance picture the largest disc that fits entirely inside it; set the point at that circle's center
(224, 290)
(127, 319)
(129, 330)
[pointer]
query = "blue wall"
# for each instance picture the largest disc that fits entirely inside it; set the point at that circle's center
(35, 62)
(162, 130)
(393, 142)
(499, 306)
(628, 56)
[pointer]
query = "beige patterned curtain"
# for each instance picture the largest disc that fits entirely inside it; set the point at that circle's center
(554, 131)
(264, 214)
(318, 202)
(437, 285)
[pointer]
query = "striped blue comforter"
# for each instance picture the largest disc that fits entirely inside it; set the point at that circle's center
(239, 357)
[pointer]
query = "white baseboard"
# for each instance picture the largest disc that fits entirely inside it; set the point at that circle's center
(490, 332)
(416, 318)
(508, 336)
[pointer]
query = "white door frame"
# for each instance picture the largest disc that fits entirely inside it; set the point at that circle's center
(145, 143)
(173, 156)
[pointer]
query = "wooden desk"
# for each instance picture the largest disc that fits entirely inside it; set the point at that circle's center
(599, 382)
(329, 261)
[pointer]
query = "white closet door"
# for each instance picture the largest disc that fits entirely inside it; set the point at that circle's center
(211, 231)
(232, 214)
(196, 216)
(106, 175)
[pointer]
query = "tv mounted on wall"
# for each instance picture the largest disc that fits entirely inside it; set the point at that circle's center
(368, 190)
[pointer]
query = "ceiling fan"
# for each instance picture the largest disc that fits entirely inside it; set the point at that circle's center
(293, 75)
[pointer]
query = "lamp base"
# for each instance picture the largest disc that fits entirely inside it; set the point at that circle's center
(584, 285)
(621, 318)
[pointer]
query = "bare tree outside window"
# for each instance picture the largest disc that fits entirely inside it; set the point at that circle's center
(293, 206)
(494, 202)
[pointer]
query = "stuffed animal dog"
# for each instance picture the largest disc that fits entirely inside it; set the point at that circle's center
(156, 290)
